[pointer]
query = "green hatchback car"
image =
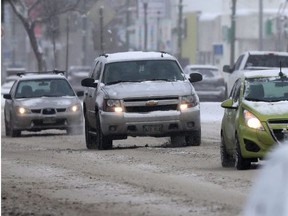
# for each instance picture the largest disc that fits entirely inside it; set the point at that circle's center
(255, 117)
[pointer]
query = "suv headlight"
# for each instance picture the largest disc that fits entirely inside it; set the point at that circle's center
(188, 102)
(75, 108)
(112, 105)
(252, 121)
(22, 110)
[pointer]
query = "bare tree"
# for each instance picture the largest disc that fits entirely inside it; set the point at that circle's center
(35, 12)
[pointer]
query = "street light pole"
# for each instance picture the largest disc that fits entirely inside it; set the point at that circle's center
(145, 5)
(101, 30)
(233, 29)
(180, 29)
(260, 25)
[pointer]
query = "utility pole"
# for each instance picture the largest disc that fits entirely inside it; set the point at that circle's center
(180, 17)
(158, 30)
(233, 29)
(145, 5)
(260, 25)
(84, 35)
(67, 43)
(127, 36)
(101, 29)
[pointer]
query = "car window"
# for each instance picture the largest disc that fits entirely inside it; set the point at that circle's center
(266, 89)
(235, 92)
(238, 62)
(138, 71)
(43, 87)
(93, 71)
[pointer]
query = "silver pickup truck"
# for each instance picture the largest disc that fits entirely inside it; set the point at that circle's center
(254, 60)
(140, 94)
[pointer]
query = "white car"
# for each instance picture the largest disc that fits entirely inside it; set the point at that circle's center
(269, 195)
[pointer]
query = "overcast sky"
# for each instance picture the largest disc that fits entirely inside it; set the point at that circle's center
(203, 5)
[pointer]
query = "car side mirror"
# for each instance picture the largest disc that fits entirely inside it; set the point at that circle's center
(89, 82)
(227, 69)
(229, 104)
(7, 96)
(195, 77)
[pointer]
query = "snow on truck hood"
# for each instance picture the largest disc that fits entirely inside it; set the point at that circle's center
(149, 88)
(47, 102)
(269, 108)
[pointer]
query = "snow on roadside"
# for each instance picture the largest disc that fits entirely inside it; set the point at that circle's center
(211, 111)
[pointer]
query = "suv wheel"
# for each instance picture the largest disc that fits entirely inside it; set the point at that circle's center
(10, 131)
(226, 159)
(240, 162)
(194, 139)
(90, 143)
(103, 142)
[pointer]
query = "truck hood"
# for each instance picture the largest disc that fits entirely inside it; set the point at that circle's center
(268, 110)
(149, 89)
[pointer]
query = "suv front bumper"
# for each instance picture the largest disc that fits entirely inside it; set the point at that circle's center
(157, 123)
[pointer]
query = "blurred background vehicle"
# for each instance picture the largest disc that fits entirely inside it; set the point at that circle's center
(42, 101)
(76, 74)
(213, 86)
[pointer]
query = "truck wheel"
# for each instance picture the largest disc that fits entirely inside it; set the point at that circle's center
(103, 142)
(90, 143)
(240, 162)
(226, 159)
(194, 139)
(178, 141)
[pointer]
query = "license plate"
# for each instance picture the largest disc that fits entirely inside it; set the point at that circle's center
(152, 128)
(49, 121)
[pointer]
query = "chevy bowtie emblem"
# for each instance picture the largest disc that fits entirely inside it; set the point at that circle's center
(151, 103)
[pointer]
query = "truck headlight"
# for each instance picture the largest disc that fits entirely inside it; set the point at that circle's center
(252, 121)
(188, 102)
(112, 105)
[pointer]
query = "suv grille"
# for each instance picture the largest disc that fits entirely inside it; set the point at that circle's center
(278, 128)
(144, 105)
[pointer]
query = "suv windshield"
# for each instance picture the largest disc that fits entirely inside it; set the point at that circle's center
(269, 60)
(43, 87)
(139, 71)
(266, 89)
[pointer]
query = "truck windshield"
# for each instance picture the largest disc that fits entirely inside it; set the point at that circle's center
(269, 60)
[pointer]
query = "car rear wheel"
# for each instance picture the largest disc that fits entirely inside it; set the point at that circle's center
(103, 142)
(194, 139)
(226, 159)
(240, 162)
(90, 142)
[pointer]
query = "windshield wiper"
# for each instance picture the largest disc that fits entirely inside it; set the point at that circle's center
(253, 99)
(157, 79)
(119, 81)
